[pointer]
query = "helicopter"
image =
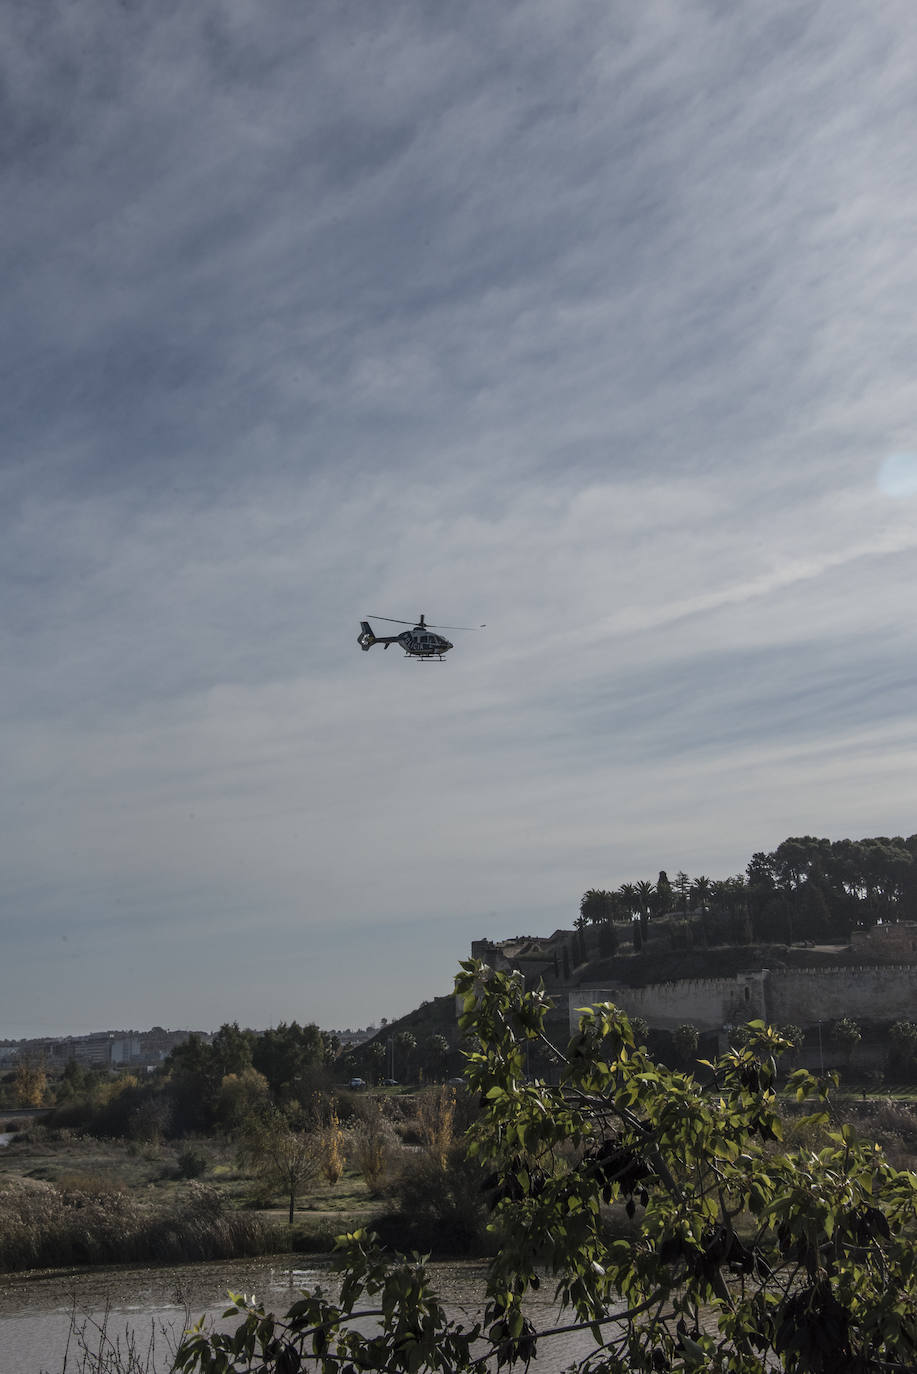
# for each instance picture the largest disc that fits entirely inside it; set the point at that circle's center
(420, 642)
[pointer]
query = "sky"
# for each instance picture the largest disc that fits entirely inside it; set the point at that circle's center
(591, 322)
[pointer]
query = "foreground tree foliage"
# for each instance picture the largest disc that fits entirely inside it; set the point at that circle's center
(744, 1256)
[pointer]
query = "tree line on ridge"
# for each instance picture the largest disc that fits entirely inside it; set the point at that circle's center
(808, 888)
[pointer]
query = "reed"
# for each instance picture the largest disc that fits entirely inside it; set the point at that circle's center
(101, 1346)
(42, 1226)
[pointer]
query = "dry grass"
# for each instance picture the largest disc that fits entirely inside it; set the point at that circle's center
(890, 1124)
(67, 1200)
(43, 1227)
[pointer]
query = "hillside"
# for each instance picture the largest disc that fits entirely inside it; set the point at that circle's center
(660, 965)
(571, 959)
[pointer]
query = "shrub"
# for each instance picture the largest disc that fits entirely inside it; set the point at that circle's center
(435, 1121)
(192, 1163)
(331, 1144)
(440, 1205)
(374, 1148)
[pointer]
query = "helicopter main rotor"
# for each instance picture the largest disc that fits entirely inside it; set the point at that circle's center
(421, 624)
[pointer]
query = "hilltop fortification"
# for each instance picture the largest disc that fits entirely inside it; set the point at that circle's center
(872, 978)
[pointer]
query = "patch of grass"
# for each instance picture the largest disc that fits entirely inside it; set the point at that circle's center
(93, 1185)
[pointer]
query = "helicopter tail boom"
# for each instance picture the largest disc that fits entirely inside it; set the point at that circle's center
(366, 639)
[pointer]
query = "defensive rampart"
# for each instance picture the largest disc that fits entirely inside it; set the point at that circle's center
(706, 1002)
(865, 992)
(801, 996)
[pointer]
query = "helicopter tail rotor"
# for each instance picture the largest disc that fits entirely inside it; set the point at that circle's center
(366, 639)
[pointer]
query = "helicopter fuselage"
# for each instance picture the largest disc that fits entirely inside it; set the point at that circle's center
(421, 642)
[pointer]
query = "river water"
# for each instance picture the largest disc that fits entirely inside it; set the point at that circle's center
(149, 1308)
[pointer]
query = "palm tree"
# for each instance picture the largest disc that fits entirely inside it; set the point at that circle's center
(406, 1044)
(644, 893)
(719, 896)
(700, 891)
(377, 1056)
(438, 1050)
(628, 895)
(596, 906)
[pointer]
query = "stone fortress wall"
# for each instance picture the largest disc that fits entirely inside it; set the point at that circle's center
(865, 993)
(801, 996)
(880, 987)
(707, 1003)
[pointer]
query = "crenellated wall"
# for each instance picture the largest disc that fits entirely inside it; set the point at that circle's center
(802, 996)
(706, 1002)
(866, 992)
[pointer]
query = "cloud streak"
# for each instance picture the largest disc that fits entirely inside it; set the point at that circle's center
(593, 326)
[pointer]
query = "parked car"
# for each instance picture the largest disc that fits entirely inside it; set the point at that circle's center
(357, 1083)
(390, 1082)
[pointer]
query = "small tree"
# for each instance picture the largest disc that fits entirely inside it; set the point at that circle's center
(795, 1036)
(74, 1081)
(30, 1083)
(684, 1041)
(150, 1119)
(243, 1097)
(284, 1158)
(846, 1035)
(903, 1038)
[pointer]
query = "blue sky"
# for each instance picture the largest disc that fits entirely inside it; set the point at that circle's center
(591, 322)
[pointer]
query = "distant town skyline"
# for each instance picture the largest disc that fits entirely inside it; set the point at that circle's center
(593, 325)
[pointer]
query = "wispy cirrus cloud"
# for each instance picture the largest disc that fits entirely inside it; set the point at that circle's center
(592, 325)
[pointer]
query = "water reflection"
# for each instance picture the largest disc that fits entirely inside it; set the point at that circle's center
(36, 1309)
